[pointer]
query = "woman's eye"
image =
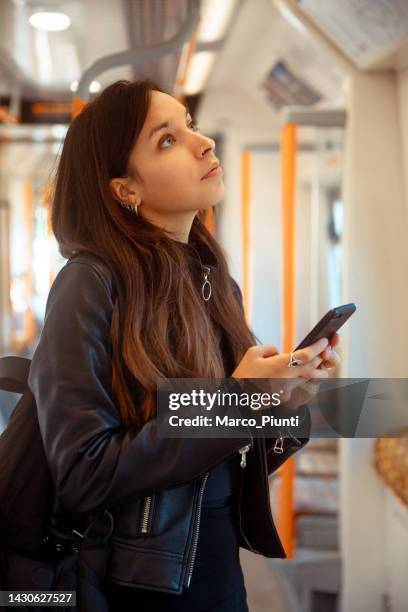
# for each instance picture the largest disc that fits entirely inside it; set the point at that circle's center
(193, 125)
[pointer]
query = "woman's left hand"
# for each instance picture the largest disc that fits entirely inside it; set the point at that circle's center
(298, 391)
(330, 357)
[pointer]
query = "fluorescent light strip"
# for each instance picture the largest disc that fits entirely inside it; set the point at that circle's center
(50, 22)
(216, 16)
(198, 71)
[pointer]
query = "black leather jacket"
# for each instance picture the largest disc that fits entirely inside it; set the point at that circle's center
(155, 485)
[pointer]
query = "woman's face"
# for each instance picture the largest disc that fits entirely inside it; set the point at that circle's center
(171, 162)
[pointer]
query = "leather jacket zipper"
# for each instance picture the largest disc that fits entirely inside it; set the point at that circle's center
(242, 451)
(147, 507)
(280, 442)
(196, 529)
(278, 447)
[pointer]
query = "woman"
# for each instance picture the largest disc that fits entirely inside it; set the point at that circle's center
(130, 188)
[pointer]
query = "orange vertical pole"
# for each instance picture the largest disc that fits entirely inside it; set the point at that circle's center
(288, 186)
(29, 324)
(245, 230)
(210, 221)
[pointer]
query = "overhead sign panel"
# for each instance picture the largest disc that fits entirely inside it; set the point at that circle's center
(366, 30)
(284, 88)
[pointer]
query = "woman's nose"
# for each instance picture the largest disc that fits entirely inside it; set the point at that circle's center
(209, 144)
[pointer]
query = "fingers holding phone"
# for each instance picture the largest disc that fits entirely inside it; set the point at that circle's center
(264, 361)
(330, 357)
(327, 327)
(307, 360)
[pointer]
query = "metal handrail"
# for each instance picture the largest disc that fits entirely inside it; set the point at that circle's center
(141, 54)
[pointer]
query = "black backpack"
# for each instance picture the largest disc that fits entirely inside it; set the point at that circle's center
(26, 499)
(26, 488)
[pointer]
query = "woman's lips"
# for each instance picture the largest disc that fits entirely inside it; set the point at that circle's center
(216, 172)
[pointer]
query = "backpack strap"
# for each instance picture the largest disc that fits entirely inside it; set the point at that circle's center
(14, 374)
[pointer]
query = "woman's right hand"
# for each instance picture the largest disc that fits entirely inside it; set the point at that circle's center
(264, 361)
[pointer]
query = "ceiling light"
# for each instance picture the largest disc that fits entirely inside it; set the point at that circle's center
(198, 72)
(94, 87)
(216, 17)
(51, 22)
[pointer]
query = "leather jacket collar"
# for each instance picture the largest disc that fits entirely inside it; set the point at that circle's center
(201, 253)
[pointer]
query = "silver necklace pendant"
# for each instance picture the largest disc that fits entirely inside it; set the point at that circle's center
(206, 288)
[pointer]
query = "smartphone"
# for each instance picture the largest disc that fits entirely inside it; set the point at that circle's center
(328, 325)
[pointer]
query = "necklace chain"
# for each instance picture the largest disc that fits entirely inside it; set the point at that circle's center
(206, 288)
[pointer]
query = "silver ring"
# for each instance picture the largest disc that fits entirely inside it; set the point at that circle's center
(293, 361)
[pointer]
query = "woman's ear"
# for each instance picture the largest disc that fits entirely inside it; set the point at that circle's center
(121, 191)
(118, 189)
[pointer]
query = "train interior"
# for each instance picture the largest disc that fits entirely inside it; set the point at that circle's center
(307, 102)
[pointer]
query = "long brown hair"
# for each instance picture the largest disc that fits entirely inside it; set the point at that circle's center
(161, 300)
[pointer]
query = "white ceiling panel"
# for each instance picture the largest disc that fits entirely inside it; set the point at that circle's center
(259, 39)
(47, 62)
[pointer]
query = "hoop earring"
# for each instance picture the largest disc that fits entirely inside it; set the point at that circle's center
(131, 208)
